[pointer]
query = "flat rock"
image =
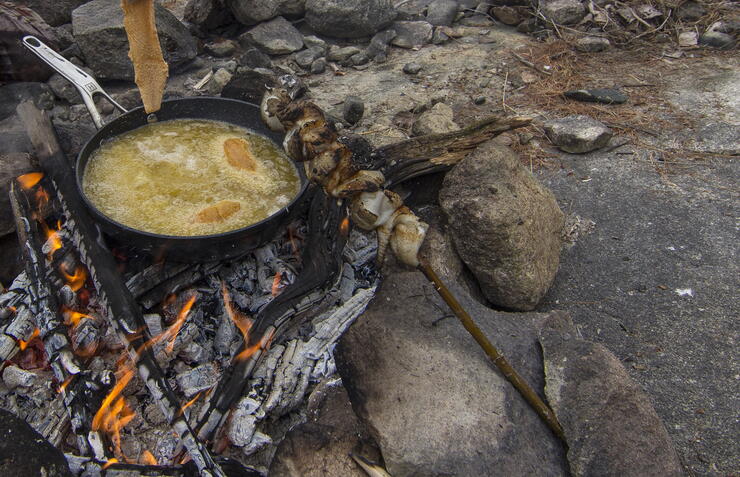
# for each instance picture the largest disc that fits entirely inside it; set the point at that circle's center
(597, 95)
(305, 58)
(506, 226)
(251, 12)
(221, 47)
(11, 166)
(341, 53)
(609, 423)
(717, 39)
(98, 29)
(320, 447)
(577, 134)
(254, 58)
(249, 85)
(25, 452)
(563, 12)
(412, 68)
(276, 37)
(691, 11)
(442, 12)
(592, 44)
(292, 8)
(431, 398)
(412, 34)
(439, 119)
(349, 18)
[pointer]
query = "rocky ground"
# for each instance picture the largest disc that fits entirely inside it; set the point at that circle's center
(649, 199)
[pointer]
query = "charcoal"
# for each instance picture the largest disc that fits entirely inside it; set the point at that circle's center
(197, 379)
(13, 376)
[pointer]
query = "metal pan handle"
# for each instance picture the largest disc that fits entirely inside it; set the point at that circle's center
(85, 84)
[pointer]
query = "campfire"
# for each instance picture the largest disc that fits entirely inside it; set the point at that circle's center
(200, 332)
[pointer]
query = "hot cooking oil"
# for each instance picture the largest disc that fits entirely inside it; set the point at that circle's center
(176, 178)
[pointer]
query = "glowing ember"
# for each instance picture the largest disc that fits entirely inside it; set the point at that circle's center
(147, 458)
(276, 283)
(42, 197)
(75, 280)
(24, 344)
(344, 226)
(109, 463)
(29, 180)
(114, 413)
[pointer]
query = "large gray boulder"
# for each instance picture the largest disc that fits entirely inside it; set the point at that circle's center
(98, 29)
(349, 18)
(609, 423)
(276, 37)
(431, 398)
(251, 12)
(506, 226)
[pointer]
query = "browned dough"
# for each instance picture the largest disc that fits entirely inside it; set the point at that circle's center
(239, 154)
(149, 66)
(218, 212)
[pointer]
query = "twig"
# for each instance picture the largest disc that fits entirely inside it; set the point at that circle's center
(542, 409)
(530, 64)
(653, 30)
(503, 90)
(554, 25)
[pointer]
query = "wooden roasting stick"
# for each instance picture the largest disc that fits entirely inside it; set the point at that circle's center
(332, 164)
(120, 305)
(150, 69)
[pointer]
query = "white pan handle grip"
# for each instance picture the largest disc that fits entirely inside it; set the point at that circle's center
(85, 84)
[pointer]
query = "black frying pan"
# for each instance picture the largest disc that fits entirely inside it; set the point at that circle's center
(183, 248)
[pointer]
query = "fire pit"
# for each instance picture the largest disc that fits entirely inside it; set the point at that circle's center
(79, 387)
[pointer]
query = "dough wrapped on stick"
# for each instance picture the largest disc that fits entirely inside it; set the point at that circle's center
(150, 69)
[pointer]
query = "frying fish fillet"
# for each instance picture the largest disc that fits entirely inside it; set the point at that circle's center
(218, 212)
(150, 68)
(239, 154)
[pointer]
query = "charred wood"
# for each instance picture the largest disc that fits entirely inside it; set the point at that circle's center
(417, 156)
(119, 302)
(82, 396)
(85, 466)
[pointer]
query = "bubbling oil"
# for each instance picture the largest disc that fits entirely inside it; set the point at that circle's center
(161, 177)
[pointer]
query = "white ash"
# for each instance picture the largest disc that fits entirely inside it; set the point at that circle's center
(14, 377)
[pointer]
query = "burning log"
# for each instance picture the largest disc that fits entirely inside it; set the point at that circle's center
(86, 466)
(79, 398)
(120, 304)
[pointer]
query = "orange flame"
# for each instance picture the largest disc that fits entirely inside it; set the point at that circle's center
(31, 179)
(114, 413)
(24, 344)
(63, 386)
(344, 226)
(175, 328)
(147, 458)
(77, 279)
(276, 283)
(245, 325)
(74, 318)
(190, 403)
(12, 309)
(109, 463)
(52, 237)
